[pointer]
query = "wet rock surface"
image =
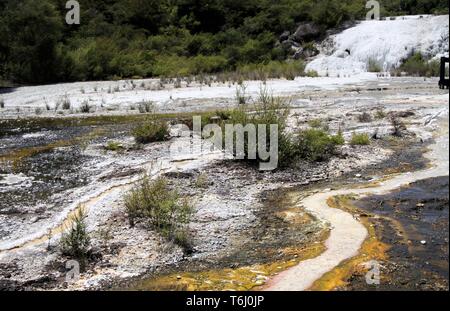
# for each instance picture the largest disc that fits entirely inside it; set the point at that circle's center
(414, 222)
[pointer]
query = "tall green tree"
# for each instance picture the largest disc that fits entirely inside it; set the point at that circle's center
(33, 52)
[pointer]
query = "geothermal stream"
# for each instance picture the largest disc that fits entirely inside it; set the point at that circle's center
(347, 234)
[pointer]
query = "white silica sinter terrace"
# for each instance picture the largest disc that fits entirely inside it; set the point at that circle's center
(386, 42)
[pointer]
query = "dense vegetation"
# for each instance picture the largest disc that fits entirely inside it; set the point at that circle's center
(417, 65)
(142, 38)
(151, 131)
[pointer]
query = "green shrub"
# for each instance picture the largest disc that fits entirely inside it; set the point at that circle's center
(312, 74)
(373, 66)
(146, 107)
(64, 103)
(266, 110)
(380, 114)
(338, 139)
(85, 107)
(365, 117)
(223, 114)
(151, 131)
(113, 146)
(75, 240)
(316, 145)
(201, 181)
(163, 209)
(241, 94)
(360, 139)
(417, 65)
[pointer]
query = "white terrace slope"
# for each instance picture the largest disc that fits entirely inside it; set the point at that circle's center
(387, 42)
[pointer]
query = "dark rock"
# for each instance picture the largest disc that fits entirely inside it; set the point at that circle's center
(289, 44)
(39, 281)
(179, 175)
(404, 114)
(9, 285)
(306, 52)
(306, 32)
(285, 35)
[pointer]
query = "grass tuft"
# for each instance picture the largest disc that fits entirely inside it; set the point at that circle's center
(317, 145)
(360, 139)
(162, 208)
(152, 131)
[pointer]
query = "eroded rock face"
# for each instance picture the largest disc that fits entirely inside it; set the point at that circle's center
(306, 32)
(306, 52)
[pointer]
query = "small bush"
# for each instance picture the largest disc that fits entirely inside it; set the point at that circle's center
(64, 103)
(75, 241)
(373, 66)
(265, 110)
(398, 127)
(201, 181)
(380, 114)
(360, 139)
(146, 107)
(241, 94)
(312, 74)
(316, 145)
(223, 114)
(113, 146)
(365, 117)
(161, 207)
(85, 107)
(152, 131)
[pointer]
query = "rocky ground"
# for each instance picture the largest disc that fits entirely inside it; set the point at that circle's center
(47, 171)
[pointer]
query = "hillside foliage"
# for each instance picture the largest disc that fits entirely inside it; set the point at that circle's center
(144, 38)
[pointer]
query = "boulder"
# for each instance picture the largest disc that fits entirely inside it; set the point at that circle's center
(306, 32)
